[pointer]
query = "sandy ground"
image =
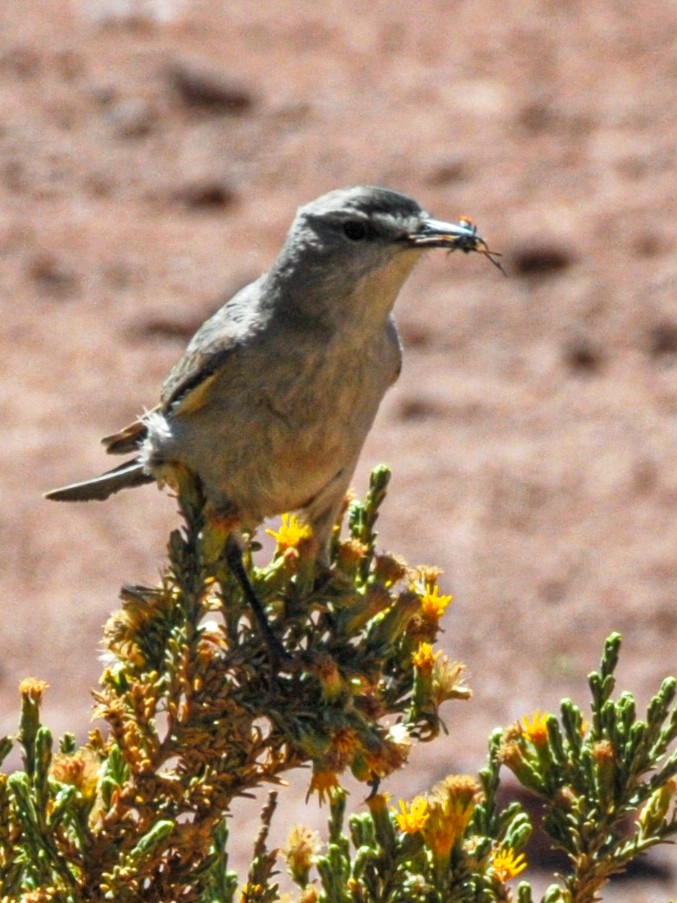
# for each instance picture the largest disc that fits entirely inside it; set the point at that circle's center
(151, 158)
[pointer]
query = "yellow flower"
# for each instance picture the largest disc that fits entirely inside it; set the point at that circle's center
(450, 806)
(291, 533)
(424, 658)
(324, 781)
(42, 895)
(433, 605)
(32, 688)
(507, 864)
(535, 728)
(412, 816)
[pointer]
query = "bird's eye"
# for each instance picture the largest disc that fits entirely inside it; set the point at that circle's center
(355, 230)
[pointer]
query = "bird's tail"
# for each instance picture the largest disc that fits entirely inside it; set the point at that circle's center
(127, 475)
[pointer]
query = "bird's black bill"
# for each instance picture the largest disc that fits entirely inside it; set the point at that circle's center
(461, 236)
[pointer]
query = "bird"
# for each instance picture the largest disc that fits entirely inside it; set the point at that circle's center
(270, 404)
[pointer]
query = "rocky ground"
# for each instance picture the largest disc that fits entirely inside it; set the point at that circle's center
(151, 158)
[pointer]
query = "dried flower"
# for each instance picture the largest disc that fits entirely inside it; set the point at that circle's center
(344, 743)
(657, 807)
(427, 574)
(448, 680)
(350, 553)
(42, 895)
(389, 568)
(355, 615)
(390, 754)
(327, 672)
(398, 737)
(525, 767)
(604, 756)
(300, 851)
(81, 769)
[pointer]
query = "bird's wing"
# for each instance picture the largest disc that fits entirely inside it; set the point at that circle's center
(126, 440)
(186, 389)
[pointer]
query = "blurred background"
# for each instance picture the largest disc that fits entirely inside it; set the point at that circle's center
(152, 155)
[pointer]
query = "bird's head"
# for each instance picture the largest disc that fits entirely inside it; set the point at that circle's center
(360, 244)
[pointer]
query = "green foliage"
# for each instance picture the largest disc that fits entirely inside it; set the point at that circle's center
(608, 786)
(196, 713)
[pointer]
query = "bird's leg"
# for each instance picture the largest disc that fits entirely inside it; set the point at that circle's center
(236, 564)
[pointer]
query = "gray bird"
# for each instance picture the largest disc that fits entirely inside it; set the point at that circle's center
(272, 401)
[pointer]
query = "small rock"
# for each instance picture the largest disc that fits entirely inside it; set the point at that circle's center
(21, 61)
(536, 117)
(132, 117)
(165, 328)
(206, 194)
(417, 407)
(583, 355)
(70, 64)
(100, 184)
(541, 259)
(442, 172)
(13, 176)
(663, 340)
(649, 244)
(204, 88)
(119, 275)
(415, 334)
(52, 277)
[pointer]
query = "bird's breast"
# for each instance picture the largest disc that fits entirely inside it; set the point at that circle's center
(286, 419)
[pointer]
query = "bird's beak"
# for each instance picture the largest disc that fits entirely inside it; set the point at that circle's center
(461, 236)
(433, 233)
